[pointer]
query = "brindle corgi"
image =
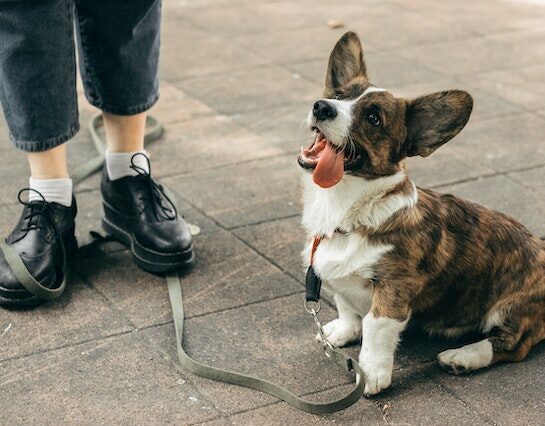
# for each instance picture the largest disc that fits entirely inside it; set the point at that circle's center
(390, 251)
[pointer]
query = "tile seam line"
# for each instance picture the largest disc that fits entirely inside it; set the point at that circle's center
(488, 175)
(138, 329)
(65, 346)
(448, 391)
(109, 303)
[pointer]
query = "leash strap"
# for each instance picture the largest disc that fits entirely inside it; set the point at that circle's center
(25, 277)
(226, 376)
(153, 130)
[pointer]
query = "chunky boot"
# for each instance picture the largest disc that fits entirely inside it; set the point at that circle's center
(42, 239)
(139, 214)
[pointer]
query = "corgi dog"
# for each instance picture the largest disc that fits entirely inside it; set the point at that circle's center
(390, 251)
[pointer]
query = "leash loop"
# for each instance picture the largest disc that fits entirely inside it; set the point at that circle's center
(310, 309)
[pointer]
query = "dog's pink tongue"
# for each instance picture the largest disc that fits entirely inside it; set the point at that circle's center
(330, 168)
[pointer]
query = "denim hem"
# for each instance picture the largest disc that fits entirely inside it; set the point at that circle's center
(123, 110)
(44, 144)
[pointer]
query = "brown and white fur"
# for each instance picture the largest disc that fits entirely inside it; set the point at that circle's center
(393, 251)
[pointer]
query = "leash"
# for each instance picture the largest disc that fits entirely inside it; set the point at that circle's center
(311, 305)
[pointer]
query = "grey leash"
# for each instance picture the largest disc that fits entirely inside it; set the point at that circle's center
(154, 131)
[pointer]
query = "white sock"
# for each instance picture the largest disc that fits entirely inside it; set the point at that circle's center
(118, 164)
(53, 190)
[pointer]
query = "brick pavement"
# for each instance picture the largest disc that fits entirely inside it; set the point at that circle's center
(237, 79)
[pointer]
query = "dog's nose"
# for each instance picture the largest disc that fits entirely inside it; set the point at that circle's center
(324, 110)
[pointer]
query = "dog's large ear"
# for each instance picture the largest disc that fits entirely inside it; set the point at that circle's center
(433, 120)
(345, 63)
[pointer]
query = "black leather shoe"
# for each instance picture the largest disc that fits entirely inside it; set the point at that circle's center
(139, 214)
(43, 238)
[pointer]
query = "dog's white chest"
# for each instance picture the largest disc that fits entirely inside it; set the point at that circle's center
(344, 255)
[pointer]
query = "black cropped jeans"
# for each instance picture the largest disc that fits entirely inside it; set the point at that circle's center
(118, 54)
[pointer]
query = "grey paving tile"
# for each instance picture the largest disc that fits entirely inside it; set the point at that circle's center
(529, 40)
(281, 126)
(447, 164)
(142, 297)
(79, 315)
(281, 241)
(504, 143)
(250, 90)
(14, 173)
(524, 87)
(250, 18)
(469, 57)
(175, 106)
(227, 274)
(385, 69)
(5, 143)
(175, 9)
(296, 45)
(121, 380)
(189, 52)
(533, 178)
(508, 394)
(244, 193)
(405, 29)
(507, 196)
(206, 143)
(350, 11)
(482, 17)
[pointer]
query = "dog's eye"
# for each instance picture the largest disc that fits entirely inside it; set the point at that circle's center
(373, 118)
(337, 96)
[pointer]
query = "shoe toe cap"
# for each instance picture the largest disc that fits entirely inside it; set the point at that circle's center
(165, 237)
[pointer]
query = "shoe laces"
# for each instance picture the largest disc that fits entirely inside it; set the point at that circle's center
(34, 210)
(162, 205)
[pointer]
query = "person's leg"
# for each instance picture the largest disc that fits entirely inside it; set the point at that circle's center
(49, 177)
(119, 53)
(124, 139)
(124, 133)
(38, 93)
(38, 97)
(50, 164)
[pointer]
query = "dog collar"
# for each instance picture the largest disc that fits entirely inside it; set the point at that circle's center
(318, 239)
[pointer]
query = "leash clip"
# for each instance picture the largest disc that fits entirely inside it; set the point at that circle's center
(314, 312)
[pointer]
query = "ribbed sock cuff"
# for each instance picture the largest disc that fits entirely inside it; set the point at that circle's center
(118, 164)
(52, 190)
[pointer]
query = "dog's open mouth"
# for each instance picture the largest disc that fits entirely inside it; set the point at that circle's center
(325, 159)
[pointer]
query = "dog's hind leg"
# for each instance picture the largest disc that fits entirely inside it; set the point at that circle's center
(467, 358)
(508, 342)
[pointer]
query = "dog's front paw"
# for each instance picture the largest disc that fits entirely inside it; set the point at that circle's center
(341, 332)
(378, 372)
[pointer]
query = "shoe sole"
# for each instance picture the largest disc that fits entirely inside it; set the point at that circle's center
(147, 259)
(11, 298)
